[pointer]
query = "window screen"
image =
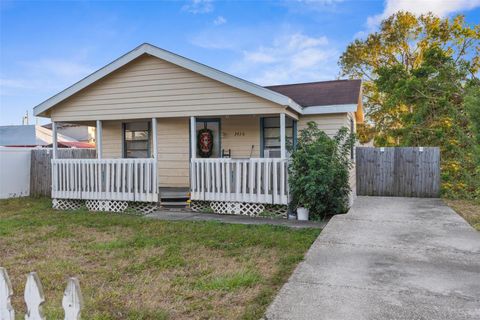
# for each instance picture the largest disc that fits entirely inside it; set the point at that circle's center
(136, 136)
(271, 133)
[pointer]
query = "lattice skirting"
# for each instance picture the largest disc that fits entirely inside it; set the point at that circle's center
(104, 205)
(200, 206)
(67, 204)
(143, 207)
(239, 208)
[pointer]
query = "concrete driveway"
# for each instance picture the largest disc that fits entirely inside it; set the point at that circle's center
(388, 258)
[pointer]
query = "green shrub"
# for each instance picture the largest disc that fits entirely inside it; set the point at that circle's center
(319, 171)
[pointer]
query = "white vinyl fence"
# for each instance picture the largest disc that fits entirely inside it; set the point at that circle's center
(14, 172)
(72, 301)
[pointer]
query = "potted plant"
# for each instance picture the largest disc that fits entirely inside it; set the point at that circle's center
(319, 172)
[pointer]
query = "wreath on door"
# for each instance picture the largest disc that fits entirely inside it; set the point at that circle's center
(205, 142)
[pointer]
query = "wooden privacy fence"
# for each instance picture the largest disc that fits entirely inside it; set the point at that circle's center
(41, 167)
(398, 171)
(72, 301)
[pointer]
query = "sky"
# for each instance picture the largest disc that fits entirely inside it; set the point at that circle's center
(47, 46)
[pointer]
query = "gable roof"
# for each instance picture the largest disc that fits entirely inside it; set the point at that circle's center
(324, 93)
(194, 66)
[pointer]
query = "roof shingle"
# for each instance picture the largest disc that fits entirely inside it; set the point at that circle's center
(322, 93)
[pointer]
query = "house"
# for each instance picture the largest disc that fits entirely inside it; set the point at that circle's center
(165, 122)
(35, 136)
(78, 132)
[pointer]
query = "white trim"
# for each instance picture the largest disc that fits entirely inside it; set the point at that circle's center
(193, 137)
(338, 108)
(175, 59)
(154, 138)
(283, 150)
(99, 138)
(54, 140)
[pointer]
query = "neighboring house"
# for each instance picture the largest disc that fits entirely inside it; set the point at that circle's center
(78, 132)
(35, 136)
(165, 121)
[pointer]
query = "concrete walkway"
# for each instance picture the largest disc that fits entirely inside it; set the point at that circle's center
(388, 258)
(224, 218)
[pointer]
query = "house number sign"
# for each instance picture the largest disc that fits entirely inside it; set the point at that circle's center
(239, 134)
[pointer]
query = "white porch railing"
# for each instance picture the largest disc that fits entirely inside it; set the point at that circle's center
(256, 180)
(105, 179)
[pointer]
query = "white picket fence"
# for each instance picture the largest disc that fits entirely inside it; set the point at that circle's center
(255, 180)
(105, 179)
(72, 301)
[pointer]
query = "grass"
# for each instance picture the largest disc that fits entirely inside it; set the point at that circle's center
(468, 209)
(130, 267)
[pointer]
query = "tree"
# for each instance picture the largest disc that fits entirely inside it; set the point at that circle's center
(402, 41)
(437, 92)
(421, 89)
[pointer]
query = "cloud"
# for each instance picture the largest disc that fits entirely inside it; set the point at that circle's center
(219, 21)
(199, 6)
(292, 57)
(441, 8)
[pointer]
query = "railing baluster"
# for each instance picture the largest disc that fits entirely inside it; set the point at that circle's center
(219, 179)
(274, 182)
(237, 180)
(207, 177)
(282, 181)
(214, 180)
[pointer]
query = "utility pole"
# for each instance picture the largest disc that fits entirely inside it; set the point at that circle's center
(25, 118)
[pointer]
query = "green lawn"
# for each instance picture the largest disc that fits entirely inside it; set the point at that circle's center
(130, 267)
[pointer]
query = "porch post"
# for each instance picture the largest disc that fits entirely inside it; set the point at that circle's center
(154, 138)
(283, 150)
(98, 139)
(193, 140)
(54, 140)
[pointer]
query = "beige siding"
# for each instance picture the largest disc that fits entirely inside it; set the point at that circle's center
(239, 134)
(112, 139)
(150, 87)
(173, 152)
(329, 123)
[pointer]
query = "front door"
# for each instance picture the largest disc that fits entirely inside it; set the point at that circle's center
(208, 131)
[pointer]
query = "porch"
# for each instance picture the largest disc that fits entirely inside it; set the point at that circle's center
(220, 178)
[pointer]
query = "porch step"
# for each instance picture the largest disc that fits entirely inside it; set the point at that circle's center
(174, 203)
(174, 198)
(174, 193)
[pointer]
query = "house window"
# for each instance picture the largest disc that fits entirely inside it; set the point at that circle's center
(270, 130)
(136, 140)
